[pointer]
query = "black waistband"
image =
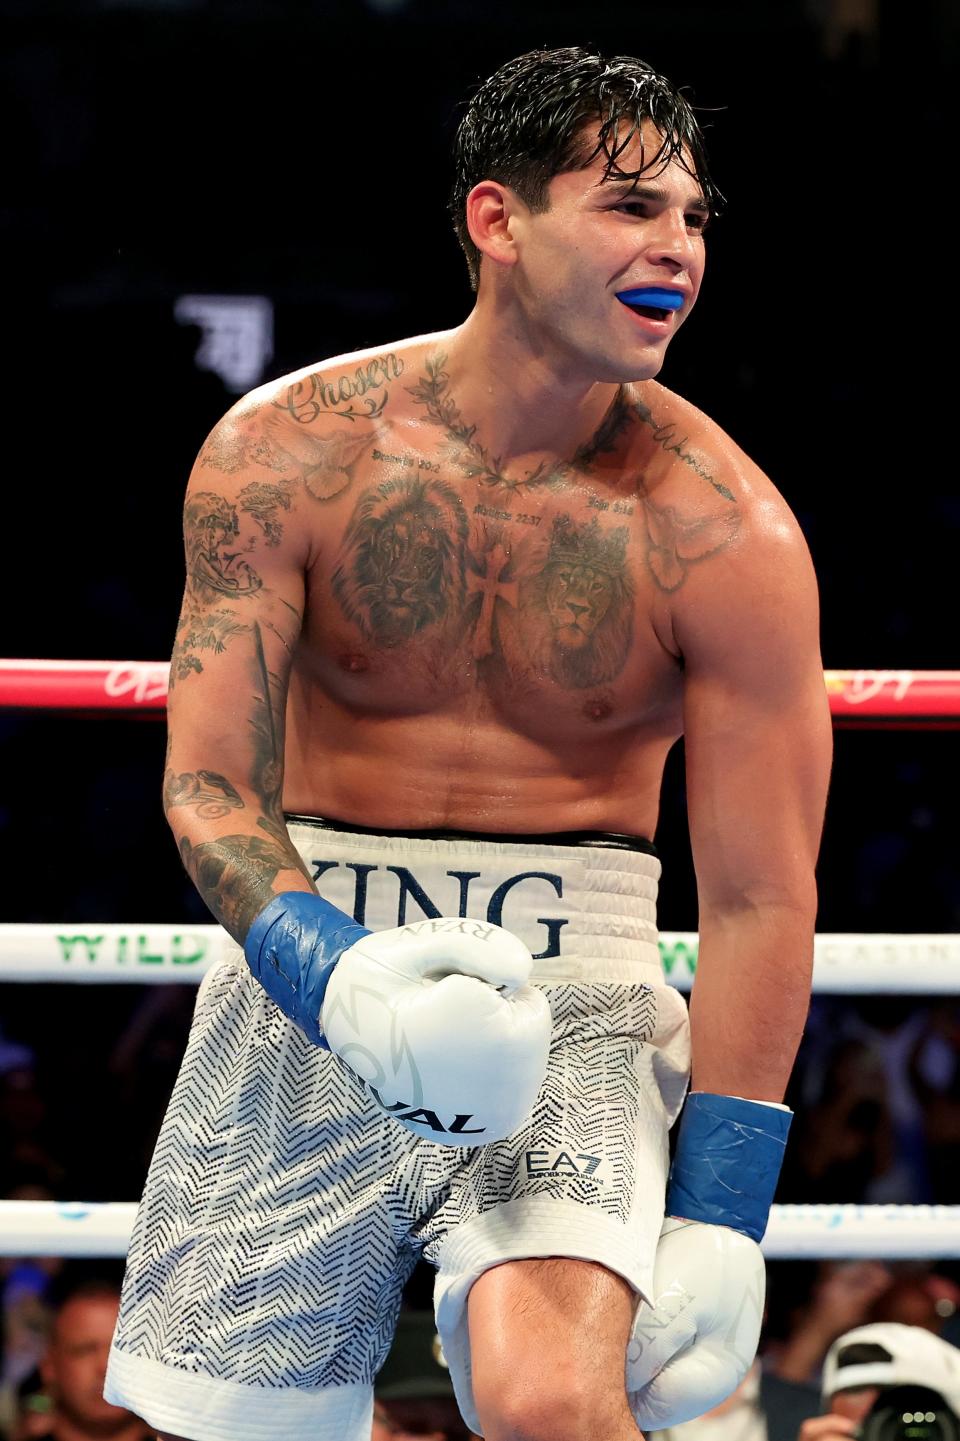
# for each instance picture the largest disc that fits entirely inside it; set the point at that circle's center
(609, 839)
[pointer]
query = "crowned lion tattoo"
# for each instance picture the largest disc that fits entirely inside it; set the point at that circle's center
(578, 611)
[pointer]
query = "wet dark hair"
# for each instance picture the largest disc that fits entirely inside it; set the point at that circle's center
(526, 124)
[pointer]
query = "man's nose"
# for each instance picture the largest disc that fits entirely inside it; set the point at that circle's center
(670, 241)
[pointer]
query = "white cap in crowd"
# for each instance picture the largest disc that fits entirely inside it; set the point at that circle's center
(888, 1353)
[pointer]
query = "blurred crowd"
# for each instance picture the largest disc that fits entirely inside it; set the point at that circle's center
(877, 1094)
(881, 1319)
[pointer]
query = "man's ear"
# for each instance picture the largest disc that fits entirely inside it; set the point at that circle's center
(490, 208)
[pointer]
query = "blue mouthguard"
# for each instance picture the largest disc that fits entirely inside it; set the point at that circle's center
(652, 295)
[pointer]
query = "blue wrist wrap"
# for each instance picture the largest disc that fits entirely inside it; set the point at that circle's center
(292, 947)
(727, 1162)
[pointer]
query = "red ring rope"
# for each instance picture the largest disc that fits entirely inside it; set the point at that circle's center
(857, 697)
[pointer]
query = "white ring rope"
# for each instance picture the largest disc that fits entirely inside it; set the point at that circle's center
(843, 964)
(52, 1228)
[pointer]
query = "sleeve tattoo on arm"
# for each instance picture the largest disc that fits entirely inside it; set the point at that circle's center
(211, 793)
(218, 571)
(235, 875)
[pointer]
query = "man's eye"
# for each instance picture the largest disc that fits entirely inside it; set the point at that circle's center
(697, 222)
(633, 207)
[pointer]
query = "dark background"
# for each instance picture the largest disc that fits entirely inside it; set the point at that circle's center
(299, 151)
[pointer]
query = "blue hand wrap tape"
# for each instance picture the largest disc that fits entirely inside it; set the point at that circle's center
(292, 947)
(727, 1162)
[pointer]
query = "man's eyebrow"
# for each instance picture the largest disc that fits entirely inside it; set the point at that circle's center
(644, 190)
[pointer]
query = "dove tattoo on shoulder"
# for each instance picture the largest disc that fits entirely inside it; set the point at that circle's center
(674, 544)
(326, 462)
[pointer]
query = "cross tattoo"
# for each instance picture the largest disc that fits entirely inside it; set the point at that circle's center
(492, 588)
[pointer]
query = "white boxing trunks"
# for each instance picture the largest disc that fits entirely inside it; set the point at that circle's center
(283, 1212)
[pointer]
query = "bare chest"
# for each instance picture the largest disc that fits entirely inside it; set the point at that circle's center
(528, 602)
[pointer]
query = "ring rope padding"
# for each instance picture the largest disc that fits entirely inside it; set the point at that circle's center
(87, 953)
(54, 1228)
(898, 697)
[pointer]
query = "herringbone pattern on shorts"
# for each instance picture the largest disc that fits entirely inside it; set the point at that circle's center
(262, 1252)
(598, 1085)
(283, 1213)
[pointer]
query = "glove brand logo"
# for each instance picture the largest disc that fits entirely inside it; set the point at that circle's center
(448, 927)
(379, 909)
(692, 1346)
(362, 1011)
(426, 1117)
(649, 1322)
(558, 1162)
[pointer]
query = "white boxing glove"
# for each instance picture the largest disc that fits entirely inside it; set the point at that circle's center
(695, 1344)
(438, 1020)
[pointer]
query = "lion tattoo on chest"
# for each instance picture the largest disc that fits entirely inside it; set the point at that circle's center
(400, 567)
(578, 611)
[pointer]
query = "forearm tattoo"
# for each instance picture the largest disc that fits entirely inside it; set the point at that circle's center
(208, 792)
(235, 875)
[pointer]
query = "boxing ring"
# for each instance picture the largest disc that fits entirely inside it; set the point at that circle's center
(85, 953)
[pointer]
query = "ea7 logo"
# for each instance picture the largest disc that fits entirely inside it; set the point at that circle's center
(545, 1162)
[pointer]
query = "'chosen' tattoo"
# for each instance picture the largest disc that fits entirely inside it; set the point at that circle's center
(359, 396)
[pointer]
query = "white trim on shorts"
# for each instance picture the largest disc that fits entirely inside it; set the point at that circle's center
(203, 1408)
(523, 1230)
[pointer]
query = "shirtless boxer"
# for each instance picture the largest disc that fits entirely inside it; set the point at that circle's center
(449, 604)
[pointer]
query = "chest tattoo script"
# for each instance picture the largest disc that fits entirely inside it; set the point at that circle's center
(526, 585)
(559, 604)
